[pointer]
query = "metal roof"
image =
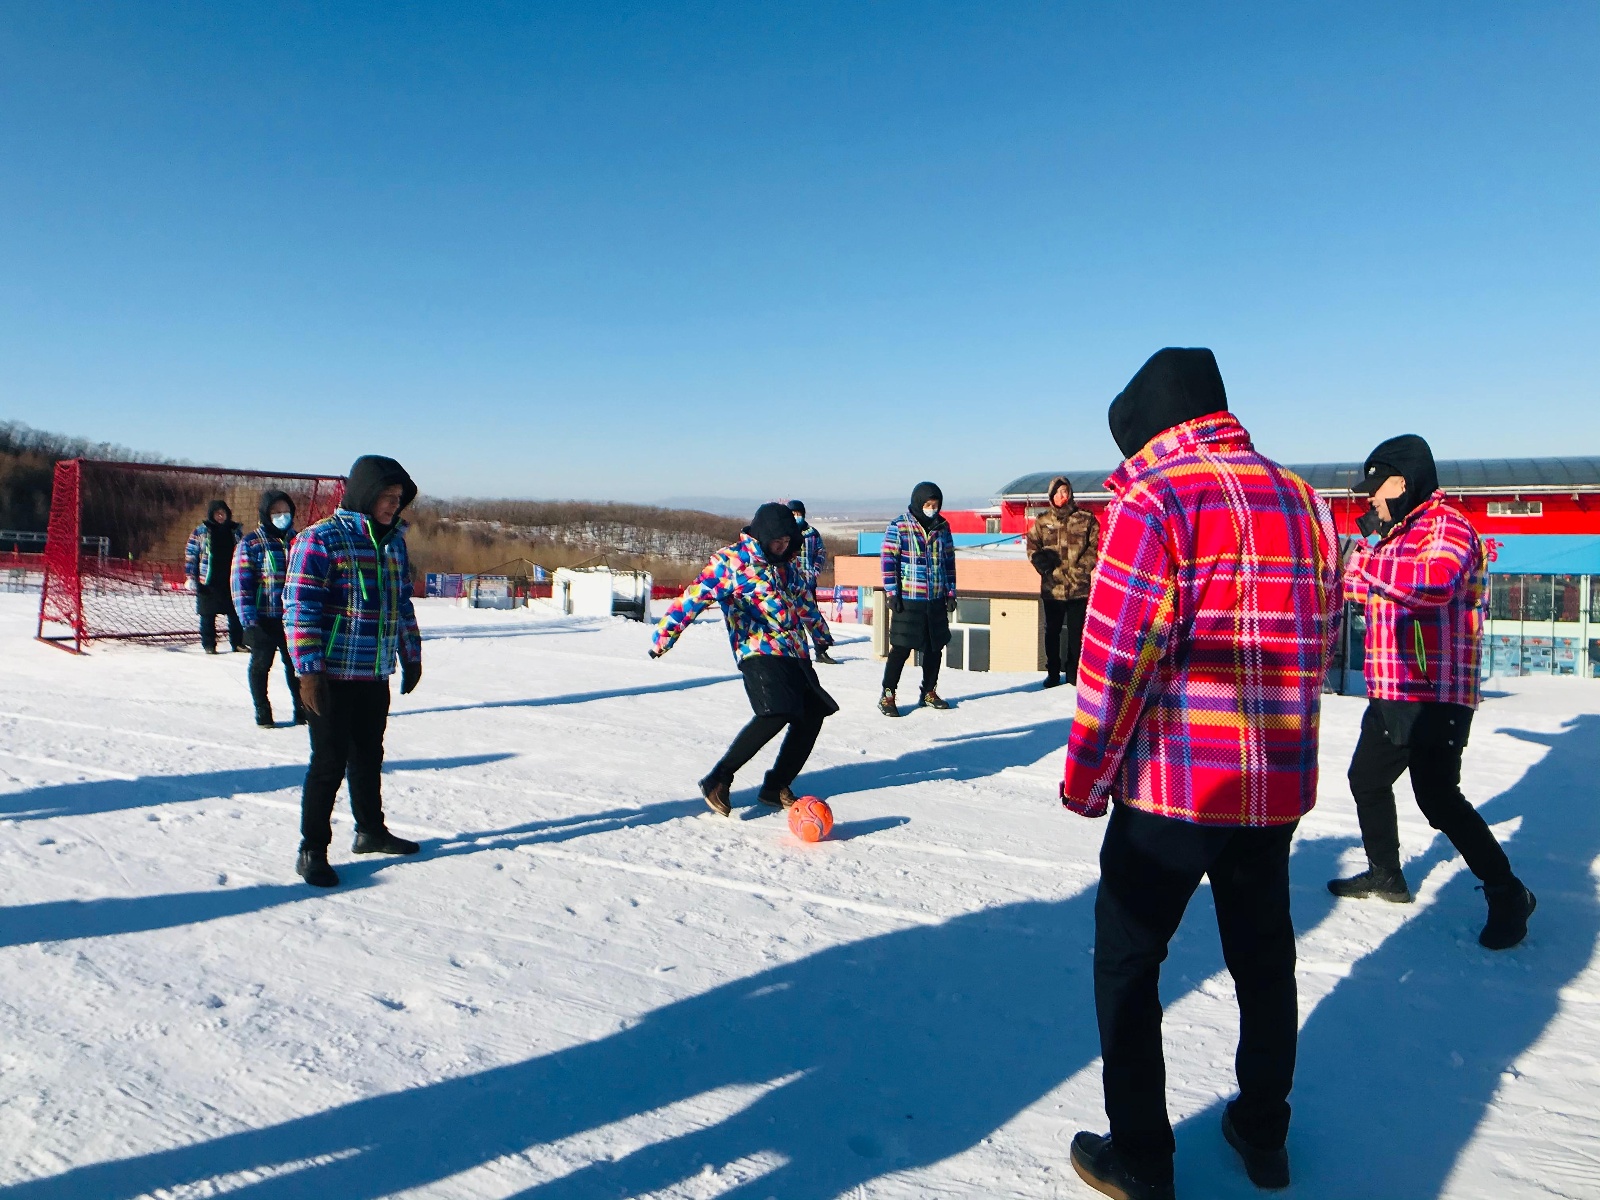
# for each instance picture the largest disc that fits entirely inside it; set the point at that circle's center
(1461, 474)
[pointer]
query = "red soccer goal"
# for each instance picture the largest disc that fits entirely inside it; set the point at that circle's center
(113, 555)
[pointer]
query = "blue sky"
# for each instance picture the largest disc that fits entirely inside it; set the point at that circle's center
(634, 251)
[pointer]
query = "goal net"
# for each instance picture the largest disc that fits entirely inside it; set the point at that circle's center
(114, 549)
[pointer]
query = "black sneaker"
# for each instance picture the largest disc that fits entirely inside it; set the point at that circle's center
(1099, 1165)
(716, 793)
(933, 700)
(299, 716)
(1510, 906)
(886, 704)
(1268, 1169)
(264, 719)
(824, 657)
(781, 798)
(312, 866)
(382, 842)
(1382, 883)
(1051, 681)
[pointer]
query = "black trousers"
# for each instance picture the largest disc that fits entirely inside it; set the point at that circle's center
(1434, 759)
(1061, 653)
(346, 742)
(897, 663)
(792, 755)
(1149, 868)
(212, 605)
(270, 642)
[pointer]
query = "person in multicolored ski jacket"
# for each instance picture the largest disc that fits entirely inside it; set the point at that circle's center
(772, 621)
(919, 585)
(207, 561)
(1211, 623)
(1423, 585)
(812, 561)
(260, 567)
(347, 615)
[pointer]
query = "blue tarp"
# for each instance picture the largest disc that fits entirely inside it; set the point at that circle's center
(1543, 553)
(871, 544)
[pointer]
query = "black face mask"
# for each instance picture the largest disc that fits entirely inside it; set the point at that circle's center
(1372, 522)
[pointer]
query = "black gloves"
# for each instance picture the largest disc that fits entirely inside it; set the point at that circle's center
(896, 604)
(1046, 561)
(950, 605)
(410, 676)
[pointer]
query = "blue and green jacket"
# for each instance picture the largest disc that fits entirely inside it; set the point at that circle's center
(918, 563)
(347, 600)
(260, 566)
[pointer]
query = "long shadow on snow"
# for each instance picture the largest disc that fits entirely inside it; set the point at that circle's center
(1399, 1064)
(114, 795)
(682, 685)
(65, 920)
(964, 757)
(894, 1052)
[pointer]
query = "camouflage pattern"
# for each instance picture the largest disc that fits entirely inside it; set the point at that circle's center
(1063, 546)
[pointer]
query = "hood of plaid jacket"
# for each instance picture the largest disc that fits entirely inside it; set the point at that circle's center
(1216, 431)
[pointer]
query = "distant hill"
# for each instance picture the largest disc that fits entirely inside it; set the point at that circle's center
(826, 508)
(28, 458)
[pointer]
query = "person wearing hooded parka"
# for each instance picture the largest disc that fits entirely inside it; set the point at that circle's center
(1211, 623)
(919, 586)
(208, 562)
(773, 622)
(347, 616)
(260, 567)
(1062, 546)
(1423, 585)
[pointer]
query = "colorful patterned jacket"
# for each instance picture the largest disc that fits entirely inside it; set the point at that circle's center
(347, 602)
(197, 556)
(1062, 546)
(767, 607)
(1423, 586)
(260, 566)
(813, 556)
(918, 563)
(1210, 626)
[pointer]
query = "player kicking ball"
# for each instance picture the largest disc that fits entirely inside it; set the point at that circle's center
(769, 613)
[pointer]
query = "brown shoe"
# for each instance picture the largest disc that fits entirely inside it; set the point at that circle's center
(782, 798)
(716, 793)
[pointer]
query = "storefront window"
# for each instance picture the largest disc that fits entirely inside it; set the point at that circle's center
(1538, 597)
(1567, 598)
(1594, 598)
(1505, 597)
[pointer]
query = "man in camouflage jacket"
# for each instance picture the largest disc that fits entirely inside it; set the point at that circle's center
(1063, 546)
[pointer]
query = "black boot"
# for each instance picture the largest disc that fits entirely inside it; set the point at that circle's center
(312, 866)
(1267, 1169)
(886, 704)
(1052, 680)
(716, 793)
(382, 842)
(264, 717)
(1384, 883)
(1510, 906)
(776, 797)
(1099, 1165)
(299, 716)
(932, 699)
(824, 657)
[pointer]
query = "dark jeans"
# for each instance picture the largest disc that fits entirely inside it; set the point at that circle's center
(1149, 867)
(1062, 659)
(897, 663)
(269, 642)
(212, 605)
(346, 742)
(792, 755)
(1434, 760)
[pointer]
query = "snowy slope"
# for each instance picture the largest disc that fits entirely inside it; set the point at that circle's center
(590, 986)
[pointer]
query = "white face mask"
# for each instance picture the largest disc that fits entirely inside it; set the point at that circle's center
(930, 511)
(282, 520)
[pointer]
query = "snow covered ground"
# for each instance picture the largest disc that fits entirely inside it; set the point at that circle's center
(588, 985)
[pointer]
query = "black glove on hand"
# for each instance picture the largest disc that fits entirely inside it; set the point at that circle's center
(896, 604)
(410, 676)
(250, 635)
(950, 605)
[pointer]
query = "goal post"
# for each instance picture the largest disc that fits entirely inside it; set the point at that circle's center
(114, 546)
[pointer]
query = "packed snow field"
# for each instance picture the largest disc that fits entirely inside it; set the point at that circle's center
(588, 985)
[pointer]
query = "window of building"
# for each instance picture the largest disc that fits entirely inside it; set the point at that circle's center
(1538, 597)
(1594, 597)
(1505, 597)
(991, 524)
(972, 610)
(1516, 508)
(1567, 598)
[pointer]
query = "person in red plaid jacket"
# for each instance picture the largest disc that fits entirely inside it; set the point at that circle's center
(1423, 586)
(1210, 626)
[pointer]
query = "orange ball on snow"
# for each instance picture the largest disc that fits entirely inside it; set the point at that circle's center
(810, 819)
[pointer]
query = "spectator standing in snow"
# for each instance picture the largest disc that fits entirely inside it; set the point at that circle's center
(1063, 545)
(207, 561)
(260, 566)
(1423, 585)
(1209, 631)
(770, 613)
(812, 560)
(347, 615)
(919, 586)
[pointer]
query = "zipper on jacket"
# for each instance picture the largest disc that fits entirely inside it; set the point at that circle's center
(377, 582)
(1420, 648)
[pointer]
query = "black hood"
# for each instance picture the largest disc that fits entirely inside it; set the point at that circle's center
(211, 510)
(268, 499)
(798, 508)
(771, 522)
(920, 495)
(369, 475)
(1174, 385)
(1408, 456)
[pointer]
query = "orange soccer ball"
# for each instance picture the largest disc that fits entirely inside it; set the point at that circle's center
(810, 819)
